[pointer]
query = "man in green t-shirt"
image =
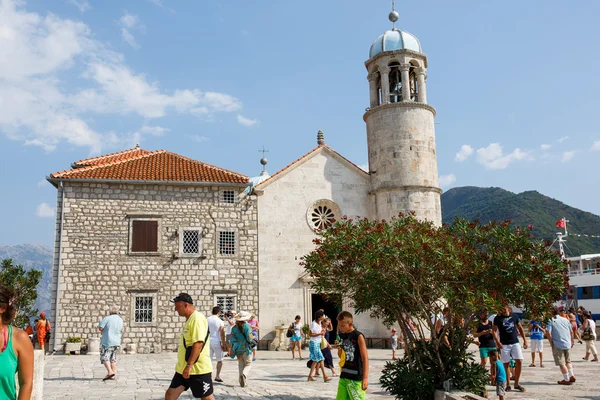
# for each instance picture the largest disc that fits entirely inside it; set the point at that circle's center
(193, 370)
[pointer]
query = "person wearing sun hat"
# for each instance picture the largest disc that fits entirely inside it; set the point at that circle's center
(194, 368)
(242, 343)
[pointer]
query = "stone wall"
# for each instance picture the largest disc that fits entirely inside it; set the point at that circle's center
(403, 160)
(97, 268)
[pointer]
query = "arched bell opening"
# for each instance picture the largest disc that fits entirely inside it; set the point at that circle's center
(395, 82)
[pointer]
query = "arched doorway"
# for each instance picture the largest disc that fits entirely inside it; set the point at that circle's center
(331, 307)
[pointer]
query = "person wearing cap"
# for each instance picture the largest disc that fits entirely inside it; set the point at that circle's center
(111, 328)
(194, 368)
(43, 329)
(561, 338)
(241, 346)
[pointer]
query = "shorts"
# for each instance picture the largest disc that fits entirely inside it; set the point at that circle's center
(562, 357)
(201, 385)
(350, 390)
(108, 353)
(228, 338)
(394, 346)
(537, 346)
(484, 352)
(509, 351)
(217, 352)
(315, 351)
(500, 391)
(295, 338)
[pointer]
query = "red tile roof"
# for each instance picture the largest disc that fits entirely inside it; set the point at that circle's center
(108, 158)
(310, 153)
(142, 165)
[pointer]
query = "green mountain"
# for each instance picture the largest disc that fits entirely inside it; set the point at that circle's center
(489, 204)
(34, 256)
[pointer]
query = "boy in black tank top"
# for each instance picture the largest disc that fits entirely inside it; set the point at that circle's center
(354, 360)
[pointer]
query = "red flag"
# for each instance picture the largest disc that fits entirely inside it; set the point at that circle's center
(560, 223)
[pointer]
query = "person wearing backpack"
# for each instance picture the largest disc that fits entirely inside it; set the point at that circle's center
(295, 337)
(589, 336)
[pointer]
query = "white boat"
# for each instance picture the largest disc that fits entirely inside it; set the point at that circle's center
(584, 282)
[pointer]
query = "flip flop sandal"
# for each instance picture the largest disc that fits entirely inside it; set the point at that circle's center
(109, 377)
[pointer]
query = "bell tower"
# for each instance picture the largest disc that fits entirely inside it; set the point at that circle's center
(400, 129)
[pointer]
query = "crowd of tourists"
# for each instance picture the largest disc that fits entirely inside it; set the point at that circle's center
(235, 335)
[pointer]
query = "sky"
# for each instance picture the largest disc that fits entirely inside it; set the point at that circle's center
(515, 85)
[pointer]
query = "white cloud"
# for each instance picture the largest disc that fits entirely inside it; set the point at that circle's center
(545, 147)
(154, 130)
(38, 105)
(562, 139)
(567, 156)
(596, 146)
(129, 20)
(42, 183)
(364, 167)
(492, 157)
(43, 210)
(199, 139)
(464, 153)
(82, 5)
(447, 180)
(246, 121)
(129, 38)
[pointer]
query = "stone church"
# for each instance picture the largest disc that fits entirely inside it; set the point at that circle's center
(135, 228)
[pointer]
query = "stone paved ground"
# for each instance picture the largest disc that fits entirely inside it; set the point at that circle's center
(274, 376)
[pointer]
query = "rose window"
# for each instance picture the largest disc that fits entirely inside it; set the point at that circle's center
(322, 214)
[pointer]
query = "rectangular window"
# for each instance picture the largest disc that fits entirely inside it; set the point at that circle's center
(144, 236)
(190, 244)
(143, 309)
(226, 302)
(587, 293)
(228, 196)
(226, 243)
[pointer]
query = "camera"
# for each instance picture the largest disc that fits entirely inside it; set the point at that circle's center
(228, 314)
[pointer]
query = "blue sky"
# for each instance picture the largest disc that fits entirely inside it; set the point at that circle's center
(515, 85)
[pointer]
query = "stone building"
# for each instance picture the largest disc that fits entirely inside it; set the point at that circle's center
(137, 227)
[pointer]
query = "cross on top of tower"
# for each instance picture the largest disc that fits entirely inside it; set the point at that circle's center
(394, 16)
(263, 160)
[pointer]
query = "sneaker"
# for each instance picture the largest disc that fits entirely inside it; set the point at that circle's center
(563, 382)
(254, 359)
(572, 379)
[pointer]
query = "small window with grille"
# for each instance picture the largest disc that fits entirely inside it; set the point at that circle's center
(190, 241)
(226, 243)
(143, 309)
(226, 302)
(228, 196)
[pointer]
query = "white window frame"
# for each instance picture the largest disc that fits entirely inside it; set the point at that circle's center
(154, 297)
(222, 196)
(191, 228)
(227, 295)
(236, 247)
(158, 237)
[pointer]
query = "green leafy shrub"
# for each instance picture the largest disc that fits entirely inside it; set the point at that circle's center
(73, 339)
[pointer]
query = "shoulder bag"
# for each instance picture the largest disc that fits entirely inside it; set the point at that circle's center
(188, 350)
(252, 344)
(587, 334)
(324, 342)
(290, 331)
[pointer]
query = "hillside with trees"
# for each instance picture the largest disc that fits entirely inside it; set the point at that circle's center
(526, 208)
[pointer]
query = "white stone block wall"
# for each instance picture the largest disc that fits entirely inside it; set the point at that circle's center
(97, 269)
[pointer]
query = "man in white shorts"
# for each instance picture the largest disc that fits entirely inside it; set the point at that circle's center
(507, 324)
(218, 346)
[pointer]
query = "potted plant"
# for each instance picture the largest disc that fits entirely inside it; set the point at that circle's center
(73, 345)
(305, 333)
(131, 347)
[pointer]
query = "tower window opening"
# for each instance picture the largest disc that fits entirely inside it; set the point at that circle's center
(395, 79)
(414, 83)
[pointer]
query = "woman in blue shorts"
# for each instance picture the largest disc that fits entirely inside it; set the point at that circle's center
(296, 339)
